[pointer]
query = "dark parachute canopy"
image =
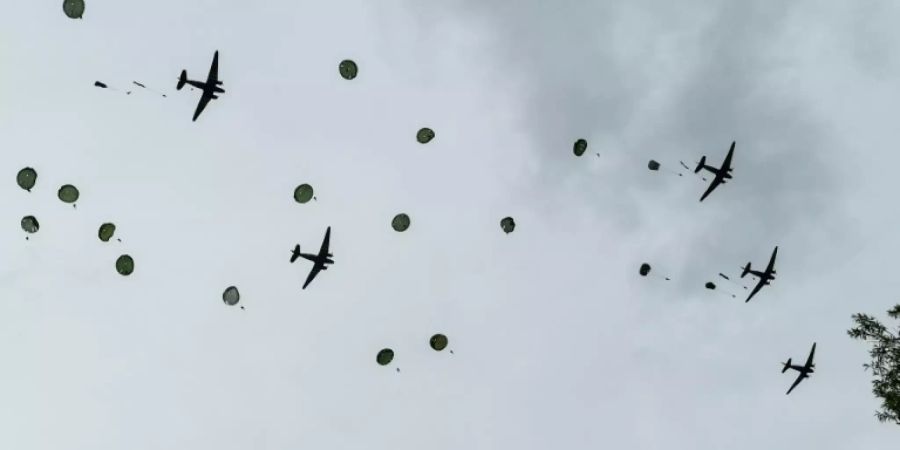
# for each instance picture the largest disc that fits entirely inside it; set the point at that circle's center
(26, 178)
(106, 231)
(438, 342)
(125, 265)
(30, 224)
(653, 165)
(231, 296)
(74, 9)
(580, 147)
(385, 356)
(710, 285)
(425, 135)
(645, 269)
(303, 193)
(68, 193)
(348, 69)
(400, 222)
(508, 225)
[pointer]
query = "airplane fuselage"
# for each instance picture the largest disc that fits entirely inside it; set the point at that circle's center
(205, 86)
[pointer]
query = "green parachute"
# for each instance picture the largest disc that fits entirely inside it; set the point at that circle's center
(508, 225)
(106, 231)
(125, 265)
(68, 193)
(400, 222)
(231, 296)
(425, 135)
(385, 356)
(580, 147)
(653, 165)
(26, 178)
(303, 193)
(438, 342)
(348, 69)
(74, 9)
(30, 224)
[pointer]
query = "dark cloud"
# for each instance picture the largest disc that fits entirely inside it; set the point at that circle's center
(674, 83)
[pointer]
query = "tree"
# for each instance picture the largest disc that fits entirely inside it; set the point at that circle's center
(885, 363)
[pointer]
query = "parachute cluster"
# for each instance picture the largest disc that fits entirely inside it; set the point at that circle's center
(437, 342)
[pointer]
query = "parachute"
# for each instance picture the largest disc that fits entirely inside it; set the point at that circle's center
(348, 69)
(580, 147)
(125, 265)
(68, 193)
(400, 223)
(26, 178)
(106, 231)
(74, 9)
(645, 269)
(303, 193)
(231, 296)
(438, 342)
(710, 285)
(385, 356)
(508, 225)
(653, 165)
(425, 135)
(100, 84)
(30, 224)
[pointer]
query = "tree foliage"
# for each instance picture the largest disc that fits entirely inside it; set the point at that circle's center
(885, 365)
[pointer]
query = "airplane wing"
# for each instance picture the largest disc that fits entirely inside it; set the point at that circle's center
(726, 165)
(771, 265)
(715, 182)
(812, 353)
(796, 382)
(204, 99)
(324, 249)
(213, 71)
(317, 267)
(759, 285)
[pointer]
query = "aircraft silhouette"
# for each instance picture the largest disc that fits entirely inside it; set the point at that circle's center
(722, 174)
(764, 277)
(320, 260)
(210, 88)
(804, 370)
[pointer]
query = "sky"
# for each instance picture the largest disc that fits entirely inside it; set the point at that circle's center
(557, 341)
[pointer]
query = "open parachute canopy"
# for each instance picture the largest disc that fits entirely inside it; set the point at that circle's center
(645, 269)
(385, 356)
(125, 265)
(231, 296)
(653, 165)
(348, 69)
(508, 225)
(68, 193)
(30, 224)
(425, 135)
(26, 178)
(710, 285)
(303, 193)
(106, 231)
(74, 9)
(400, 223)
(438, 342)
(580, 147)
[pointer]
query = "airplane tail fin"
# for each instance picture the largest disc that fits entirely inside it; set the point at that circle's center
(700, 164)
(182, 80)
(746, 270)
(787, 365)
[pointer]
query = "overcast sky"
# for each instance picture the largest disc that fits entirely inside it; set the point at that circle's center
(558, 342)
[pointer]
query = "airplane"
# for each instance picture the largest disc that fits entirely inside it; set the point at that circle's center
(804, 370)
(320, 260)
(722, 174)
(210, 88)
(764, 277)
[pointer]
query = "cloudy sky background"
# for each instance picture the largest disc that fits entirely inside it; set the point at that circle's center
(558, 342)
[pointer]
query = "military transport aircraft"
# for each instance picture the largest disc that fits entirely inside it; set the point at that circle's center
(804, 370)
(210, 88)
(722, 174)
(764, 277)
(320, 261)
